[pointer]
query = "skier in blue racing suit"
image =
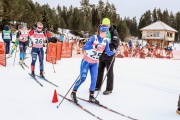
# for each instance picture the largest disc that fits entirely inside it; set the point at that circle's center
(94, 48)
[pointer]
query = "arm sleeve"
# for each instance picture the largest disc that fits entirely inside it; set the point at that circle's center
(89, 44)
(48, 34)
(107, 49)
(31, 32)
(11, 36)
(114, 39)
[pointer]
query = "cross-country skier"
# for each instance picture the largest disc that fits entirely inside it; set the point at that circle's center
(38, 39)
(15, 43)
(94, 48)
(22, 36)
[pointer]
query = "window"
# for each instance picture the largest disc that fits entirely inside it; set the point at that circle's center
(169, 34)
(153, 34)
(156, 34)
(149, 34)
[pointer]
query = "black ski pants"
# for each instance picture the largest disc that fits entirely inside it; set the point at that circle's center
(110, 74)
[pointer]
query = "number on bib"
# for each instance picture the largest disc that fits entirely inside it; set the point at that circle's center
(38, 41)
(95, 55)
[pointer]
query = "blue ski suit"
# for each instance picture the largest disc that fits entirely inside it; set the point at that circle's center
(90, 60)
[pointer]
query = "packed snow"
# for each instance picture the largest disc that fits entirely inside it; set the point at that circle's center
(145, 89)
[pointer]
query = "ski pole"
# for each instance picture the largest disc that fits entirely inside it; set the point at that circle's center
(68, 91)
(15, 56)
(106, 75)
(53, 65)
(55, 59)
(73, 85)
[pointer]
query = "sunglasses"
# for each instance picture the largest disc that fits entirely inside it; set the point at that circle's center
(40, 27)
(106, 33)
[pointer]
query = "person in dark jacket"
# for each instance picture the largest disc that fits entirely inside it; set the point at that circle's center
(106, 61)
(178, 109)
(7, 38)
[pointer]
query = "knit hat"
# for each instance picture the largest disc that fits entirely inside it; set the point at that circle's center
(106, 21)
(6, 27)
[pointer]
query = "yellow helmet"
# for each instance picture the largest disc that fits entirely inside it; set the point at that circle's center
(106, 21)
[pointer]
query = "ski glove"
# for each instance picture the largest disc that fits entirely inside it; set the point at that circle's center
(114, 51)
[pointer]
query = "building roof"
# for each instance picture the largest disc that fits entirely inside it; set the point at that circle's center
(158, 25)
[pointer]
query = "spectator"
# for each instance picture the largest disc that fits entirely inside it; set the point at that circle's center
(7, 38)
(106, 61)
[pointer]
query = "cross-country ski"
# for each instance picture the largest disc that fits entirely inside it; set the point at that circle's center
(47, 81)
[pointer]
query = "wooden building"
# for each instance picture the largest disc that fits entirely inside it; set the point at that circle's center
(158, 34)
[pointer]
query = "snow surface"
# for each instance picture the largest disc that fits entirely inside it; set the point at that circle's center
(146, 89)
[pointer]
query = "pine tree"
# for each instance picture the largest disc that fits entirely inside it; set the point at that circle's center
(145, 20)
(70, 17)
(85, 10)
(166, 17)
(64, 16)
(113, 14)
(178, 26)
(61, 22)
(107, 10)
(6, 13)
(75, 19)
(100, 8)
(154, 14)
(172, 20)
(44, 18)
(159, 14)
(95, 17)
(122, 30)
(86, 18)
(134, 27)
(1, 12)
(54, 20)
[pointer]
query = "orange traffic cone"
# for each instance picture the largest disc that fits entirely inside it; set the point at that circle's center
(55, 98)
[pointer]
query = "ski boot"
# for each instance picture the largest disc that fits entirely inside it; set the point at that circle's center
(33, 75)
(93, 100)
(73, 96)
(42, 74)
(21, 62)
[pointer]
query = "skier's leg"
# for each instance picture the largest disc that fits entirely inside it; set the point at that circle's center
(41, 61)
(83, 74)
(34, 58)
